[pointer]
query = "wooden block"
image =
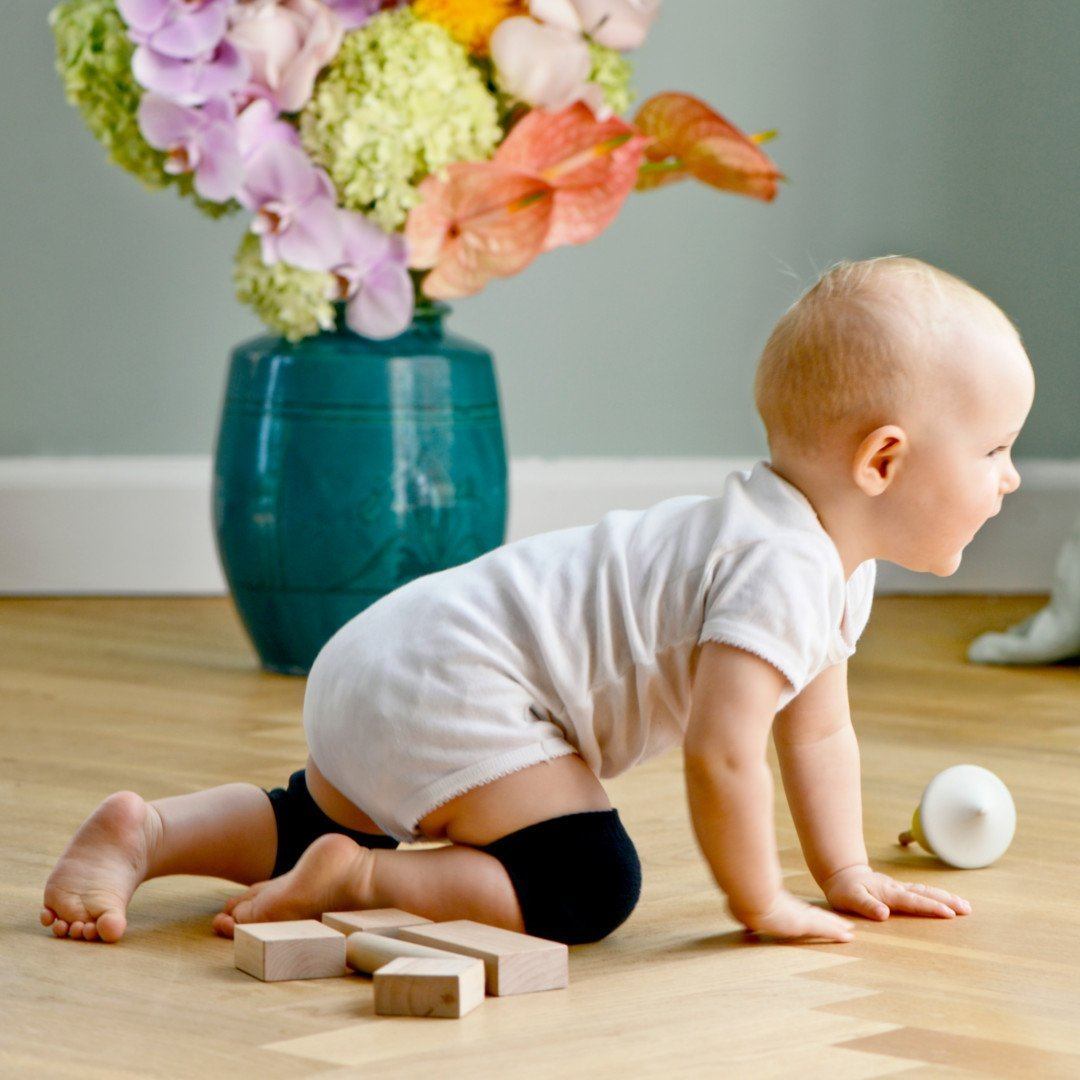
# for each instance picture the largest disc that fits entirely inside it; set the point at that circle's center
(514, 963)
(377, 920)
(429, 986)
(299, 949)
(368, 952)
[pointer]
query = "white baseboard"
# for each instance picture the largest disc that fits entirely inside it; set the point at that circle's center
(141, 525)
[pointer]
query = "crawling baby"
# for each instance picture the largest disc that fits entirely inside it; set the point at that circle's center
(483, 704)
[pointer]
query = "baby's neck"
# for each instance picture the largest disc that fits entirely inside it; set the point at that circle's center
(836, 513)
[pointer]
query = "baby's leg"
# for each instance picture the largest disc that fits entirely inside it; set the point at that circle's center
(234, 831)
(577, 875)
(226, 831)
(337, 874)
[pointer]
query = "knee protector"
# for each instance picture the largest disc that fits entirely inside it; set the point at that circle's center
(577, 877)
(300, 822)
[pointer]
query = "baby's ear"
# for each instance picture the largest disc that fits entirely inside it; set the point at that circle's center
(879, 457)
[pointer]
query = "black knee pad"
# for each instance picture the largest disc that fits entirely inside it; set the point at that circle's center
(577, 877)
(300, 822)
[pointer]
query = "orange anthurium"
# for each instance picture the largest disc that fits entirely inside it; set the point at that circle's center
(691, 139)
(591, 164)
(558, 178)
(476, 222)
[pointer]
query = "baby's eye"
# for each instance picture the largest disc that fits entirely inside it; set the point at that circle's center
(997, 451)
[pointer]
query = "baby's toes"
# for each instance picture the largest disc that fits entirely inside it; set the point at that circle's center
(244, 911)
(59, 927)
(110, 924)
(224, 924)
(47, 916)
(66, 907)
(89, 931)
(239, 898)
(75, 929)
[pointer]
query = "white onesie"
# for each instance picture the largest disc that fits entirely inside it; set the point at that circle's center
(581, 640)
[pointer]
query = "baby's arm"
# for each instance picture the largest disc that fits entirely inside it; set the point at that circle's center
(730, 792)
(819, 764)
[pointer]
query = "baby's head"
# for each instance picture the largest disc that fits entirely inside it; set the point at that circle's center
(891, 392)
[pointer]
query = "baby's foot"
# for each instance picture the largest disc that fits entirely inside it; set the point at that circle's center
(331, 875)
(88, 891)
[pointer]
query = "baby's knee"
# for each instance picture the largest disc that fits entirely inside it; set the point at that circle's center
(577, 877)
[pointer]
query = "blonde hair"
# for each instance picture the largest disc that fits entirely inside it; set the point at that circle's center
(843, 357)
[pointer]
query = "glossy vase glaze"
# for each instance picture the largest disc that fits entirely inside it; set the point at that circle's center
(346, 467)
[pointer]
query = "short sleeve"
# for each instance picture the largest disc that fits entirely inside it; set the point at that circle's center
(862, 600)
(772, 598)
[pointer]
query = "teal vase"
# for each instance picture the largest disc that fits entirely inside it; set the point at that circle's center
(346, 467)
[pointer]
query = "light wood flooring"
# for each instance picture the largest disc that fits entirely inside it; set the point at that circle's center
(164, 696)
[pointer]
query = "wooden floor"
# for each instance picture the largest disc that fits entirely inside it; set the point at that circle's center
(164, 696)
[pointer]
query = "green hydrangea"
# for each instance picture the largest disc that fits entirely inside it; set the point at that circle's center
(290, 300)
(611, 71)
(401, 100)
(93, 59)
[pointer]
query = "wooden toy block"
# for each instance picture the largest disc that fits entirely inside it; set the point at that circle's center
(377, 920)
(298, 949)
(367, 953)
(514, 963)
(429, 986)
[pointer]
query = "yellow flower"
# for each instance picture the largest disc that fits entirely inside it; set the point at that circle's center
(469, 21)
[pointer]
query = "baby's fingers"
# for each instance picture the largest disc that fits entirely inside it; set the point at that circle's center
(957, 903)
(860, 900)
(825, 924)
(866, 903)
(909, 899)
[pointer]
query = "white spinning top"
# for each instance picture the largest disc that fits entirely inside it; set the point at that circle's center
(966, 817)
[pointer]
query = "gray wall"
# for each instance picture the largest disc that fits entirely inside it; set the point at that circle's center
(939, 128)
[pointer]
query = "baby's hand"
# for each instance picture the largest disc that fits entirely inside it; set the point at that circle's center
(865, 892)
(790, 917)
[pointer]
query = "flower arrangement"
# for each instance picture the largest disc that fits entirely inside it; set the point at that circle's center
(389, 153)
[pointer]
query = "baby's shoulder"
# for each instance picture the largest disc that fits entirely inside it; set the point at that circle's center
(775, 551)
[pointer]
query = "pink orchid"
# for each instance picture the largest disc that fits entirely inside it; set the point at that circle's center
(214, 74)
(690, 138)
(257, 126)
(618, 24)
(545, 66)
(294, 203)
(200, 141)
(286, 45)
(181, 29)
(372, 278)
(354, 13)
(557, 178)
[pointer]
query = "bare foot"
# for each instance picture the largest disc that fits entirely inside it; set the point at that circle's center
(88, 891)
(332, 875)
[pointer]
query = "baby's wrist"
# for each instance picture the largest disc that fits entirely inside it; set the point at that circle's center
(829, 879)
(747, 910)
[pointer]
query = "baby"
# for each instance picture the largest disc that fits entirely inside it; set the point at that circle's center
(482, 704)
